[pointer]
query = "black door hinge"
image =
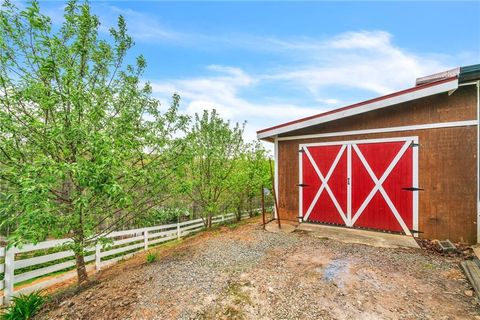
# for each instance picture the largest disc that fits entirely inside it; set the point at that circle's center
(416, 231)
(413, 189)
(413, 144)
(302, 185)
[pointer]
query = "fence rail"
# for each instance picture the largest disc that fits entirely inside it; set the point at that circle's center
(31, 262)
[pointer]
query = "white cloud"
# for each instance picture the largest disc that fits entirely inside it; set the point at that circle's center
(221, 91)
(361, 40)
(331, 101)
(364, 60)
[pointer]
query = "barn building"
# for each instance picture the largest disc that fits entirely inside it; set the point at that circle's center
(405, 163)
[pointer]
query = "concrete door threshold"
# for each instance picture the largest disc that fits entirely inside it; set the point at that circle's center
(286, 226)
(349, 235)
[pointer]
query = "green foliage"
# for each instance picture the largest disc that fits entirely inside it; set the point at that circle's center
(162, 215)
(250, 174)
(151, 257)
(212, 146)
(84, 149)
(223, 172)
(24, 306)
(83, 146)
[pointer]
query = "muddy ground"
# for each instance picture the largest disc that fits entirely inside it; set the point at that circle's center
(246, 273)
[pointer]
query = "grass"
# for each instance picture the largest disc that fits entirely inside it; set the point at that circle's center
(234, 313)
(238, 295)
(151, 257)
(24, 306)
(429, 266)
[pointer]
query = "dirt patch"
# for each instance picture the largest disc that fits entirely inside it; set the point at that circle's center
(247, 273)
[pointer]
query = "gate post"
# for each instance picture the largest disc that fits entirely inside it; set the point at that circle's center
(9, 274)
(98, 258)
(178, 230)
(145, 239)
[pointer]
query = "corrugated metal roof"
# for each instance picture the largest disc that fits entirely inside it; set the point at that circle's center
(438, 76)
(469, 73)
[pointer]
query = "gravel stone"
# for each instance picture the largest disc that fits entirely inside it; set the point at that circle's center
(247, 273)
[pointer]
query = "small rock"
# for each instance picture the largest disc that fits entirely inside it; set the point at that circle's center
(67, 303)
(469, 293)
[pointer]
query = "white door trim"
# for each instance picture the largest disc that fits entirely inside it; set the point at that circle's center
(300, 183)
(415, 184)
(333, 143)
(349, 184)
(275, 175)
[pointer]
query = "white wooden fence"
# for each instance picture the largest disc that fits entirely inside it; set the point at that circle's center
(123, 244)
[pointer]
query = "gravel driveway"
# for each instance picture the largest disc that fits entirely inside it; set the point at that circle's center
(246, 273)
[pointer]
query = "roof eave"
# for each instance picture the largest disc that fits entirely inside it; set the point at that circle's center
(362, 107)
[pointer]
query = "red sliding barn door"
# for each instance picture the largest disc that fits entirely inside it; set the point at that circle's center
(366, 184)
(324, 176)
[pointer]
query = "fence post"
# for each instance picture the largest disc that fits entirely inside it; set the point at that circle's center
(223, 218)
(9, 274)
(145, 239)
(98, 258)
(178, 230)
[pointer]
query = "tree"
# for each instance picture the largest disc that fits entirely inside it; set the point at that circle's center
(83, 146)
(212, 148)
(251, 172)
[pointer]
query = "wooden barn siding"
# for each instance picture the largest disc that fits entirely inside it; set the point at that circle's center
(459, 106)
(447, 161)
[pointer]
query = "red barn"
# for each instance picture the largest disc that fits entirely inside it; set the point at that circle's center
(406, 162)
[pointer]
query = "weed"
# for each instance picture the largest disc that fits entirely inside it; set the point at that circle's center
(151, 257)
(429, 266)
(238, 295)
(233, 313)
(233, 226)
(24, 306)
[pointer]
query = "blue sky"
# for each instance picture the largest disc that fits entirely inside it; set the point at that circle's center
(271, 62)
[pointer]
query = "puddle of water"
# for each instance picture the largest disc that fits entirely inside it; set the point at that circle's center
(336, 271)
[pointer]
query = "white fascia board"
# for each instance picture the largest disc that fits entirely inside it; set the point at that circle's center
(426, 126)
(409, 96)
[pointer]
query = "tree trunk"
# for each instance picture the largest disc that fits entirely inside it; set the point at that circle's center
(82, 275)
(209, 221)
(250, 203)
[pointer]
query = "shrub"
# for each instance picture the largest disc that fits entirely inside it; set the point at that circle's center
(24, 306)
(151, 257)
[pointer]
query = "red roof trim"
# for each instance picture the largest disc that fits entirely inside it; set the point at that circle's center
(391, 95)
